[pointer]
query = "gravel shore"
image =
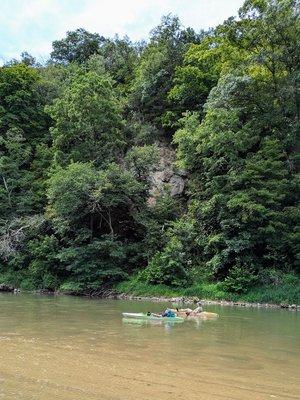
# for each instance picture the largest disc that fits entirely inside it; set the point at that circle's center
(195, 300)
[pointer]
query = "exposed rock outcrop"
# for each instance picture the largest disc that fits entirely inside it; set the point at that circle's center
(165, 176)
(6, 288)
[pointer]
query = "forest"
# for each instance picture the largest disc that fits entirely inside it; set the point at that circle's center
(170, 164)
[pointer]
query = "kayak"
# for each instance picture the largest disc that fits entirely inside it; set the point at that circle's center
(152, 317)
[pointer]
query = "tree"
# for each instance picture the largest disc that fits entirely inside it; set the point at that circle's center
(168, 43)
(120, 59)
(198, 74)
(28, 59)
(15, 193)
(95, 214)
(268, 32)
(23, 133)
(241, 183)
(87, 121)
(77, 47)
(21, 106)
(24, 137)
(141, 160)
(167, 267)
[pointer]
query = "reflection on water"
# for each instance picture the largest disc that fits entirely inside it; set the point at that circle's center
(72, 348)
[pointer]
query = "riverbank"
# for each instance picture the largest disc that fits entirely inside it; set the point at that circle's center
(176, 300)
(193, 300)
(285, 296)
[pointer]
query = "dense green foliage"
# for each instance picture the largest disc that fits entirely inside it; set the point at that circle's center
(80, 139)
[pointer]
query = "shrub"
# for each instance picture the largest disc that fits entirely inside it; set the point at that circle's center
(167, 267)
(239, 279)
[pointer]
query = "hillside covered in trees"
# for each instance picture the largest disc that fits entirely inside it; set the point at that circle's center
(82, 136)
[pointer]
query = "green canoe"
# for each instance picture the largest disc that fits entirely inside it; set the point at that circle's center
(152, 317)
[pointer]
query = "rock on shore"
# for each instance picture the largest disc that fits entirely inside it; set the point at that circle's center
(6, 288)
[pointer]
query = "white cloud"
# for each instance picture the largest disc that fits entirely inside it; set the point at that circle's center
(32, 25)
(131, 17)
(137, 17)
(31, 11)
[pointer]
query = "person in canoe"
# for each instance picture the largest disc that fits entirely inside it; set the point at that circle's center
(167, 314)
(198, 310)
(196, 313)
(186, 312)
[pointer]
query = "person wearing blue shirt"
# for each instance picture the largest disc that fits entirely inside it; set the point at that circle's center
(168, 313)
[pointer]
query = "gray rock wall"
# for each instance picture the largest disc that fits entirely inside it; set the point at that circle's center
(165, 176)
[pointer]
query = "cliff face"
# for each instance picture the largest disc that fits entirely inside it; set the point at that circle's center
(165, 176)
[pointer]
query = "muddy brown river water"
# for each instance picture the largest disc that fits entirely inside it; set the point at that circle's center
(68, 348)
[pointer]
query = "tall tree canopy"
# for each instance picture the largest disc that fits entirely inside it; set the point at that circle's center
(78, 46)
(242, 156)
(88, 120)
(168, 43)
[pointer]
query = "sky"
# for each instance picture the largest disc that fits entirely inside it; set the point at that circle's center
(32, 25)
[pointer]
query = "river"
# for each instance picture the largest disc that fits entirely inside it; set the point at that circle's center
(69, 348)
